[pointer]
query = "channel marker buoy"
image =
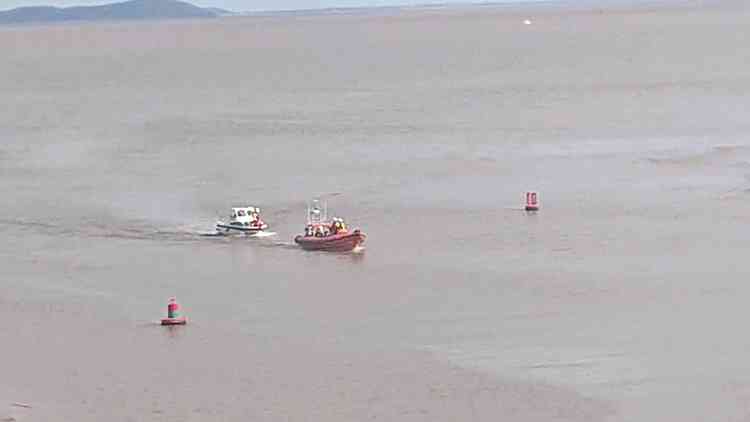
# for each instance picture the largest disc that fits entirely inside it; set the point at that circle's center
(173, 314)
(532, 201)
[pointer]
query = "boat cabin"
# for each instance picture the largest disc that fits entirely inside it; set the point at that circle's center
(244, 215)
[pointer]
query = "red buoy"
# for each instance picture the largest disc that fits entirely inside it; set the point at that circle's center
(173, 308)
(173, 314)
(532, 201)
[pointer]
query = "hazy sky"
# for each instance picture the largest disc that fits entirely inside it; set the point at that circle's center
(244, 5)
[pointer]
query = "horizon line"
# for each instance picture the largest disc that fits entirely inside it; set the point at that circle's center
(396, 5)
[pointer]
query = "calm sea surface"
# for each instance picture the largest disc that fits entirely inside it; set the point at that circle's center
(623, 299)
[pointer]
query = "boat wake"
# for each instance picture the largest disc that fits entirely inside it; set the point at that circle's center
(213, 234)
(135, 230)
(280, 244)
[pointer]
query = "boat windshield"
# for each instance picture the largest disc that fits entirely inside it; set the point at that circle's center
(315, 215)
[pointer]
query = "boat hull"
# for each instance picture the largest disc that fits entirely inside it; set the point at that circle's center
(174, 321)
(240, 229)
(336, 243)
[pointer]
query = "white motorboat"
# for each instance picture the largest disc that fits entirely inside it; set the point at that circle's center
(243, 220)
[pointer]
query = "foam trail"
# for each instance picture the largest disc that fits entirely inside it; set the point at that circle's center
(263, 234)
(212, 234)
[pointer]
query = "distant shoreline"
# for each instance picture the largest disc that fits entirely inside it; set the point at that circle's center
(535, 5)
(127, 10)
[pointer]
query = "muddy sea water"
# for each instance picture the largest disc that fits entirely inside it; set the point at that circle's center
(625, 298)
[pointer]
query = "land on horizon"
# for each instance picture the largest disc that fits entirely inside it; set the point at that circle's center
(127, 10)
(178, 9)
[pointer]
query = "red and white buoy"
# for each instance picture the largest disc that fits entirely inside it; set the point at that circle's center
(532, 201)
(173, 314)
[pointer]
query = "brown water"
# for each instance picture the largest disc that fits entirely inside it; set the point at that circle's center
(623, 299)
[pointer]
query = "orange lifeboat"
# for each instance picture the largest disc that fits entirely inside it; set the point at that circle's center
(340, 242)
(324, 235)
